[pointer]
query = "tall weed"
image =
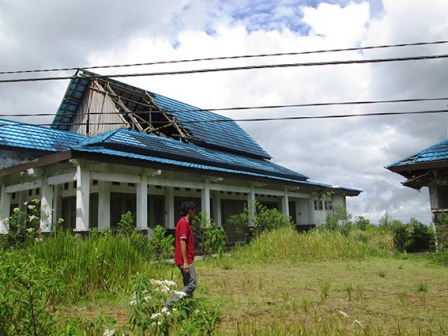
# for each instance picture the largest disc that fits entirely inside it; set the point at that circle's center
(286, 245)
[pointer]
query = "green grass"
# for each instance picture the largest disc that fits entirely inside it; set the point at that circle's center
(283, 283)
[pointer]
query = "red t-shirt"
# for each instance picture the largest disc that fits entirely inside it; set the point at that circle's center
(184, 232)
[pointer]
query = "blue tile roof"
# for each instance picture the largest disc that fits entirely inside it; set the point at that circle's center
(132, 144)
(437, 152)
(225, 133)
(147, 144)
(32, 137)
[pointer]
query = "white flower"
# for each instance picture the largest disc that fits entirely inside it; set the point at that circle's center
(180, 294)
(31, 207)
(32, 217)
(166, 311)
(109, 332)
(197, 311)
(165, 289)
(155, 282)
(155, 324)
(155, 316)
(61, 220)
(133, 302)
(16, 210)
(169, 283)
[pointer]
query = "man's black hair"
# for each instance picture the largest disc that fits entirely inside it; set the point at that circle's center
(186, 207)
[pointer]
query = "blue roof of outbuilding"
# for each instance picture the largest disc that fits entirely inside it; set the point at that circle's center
(437, 152)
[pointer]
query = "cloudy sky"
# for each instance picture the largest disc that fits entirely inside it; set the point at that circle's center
(350, 152)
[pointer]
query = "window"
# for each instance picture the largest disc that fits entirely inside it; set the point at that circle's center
(318, 205)
(442, 194)
(328, 205)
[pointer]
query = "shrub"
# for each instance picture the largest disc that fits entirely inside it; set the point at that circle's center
(442, 231)
(29, 288)
(126, 225)
(259, 218)
(212, 239)
(161, 244)
(412, 237)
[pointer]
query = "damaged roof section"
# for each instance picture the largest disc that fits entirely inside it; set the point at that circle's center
(135, 107)
(95, 104)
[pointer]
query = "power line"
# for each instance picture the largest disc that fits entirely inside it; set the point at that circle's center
(336, 116)
(226, 58)
(242, 108)
(251, 67)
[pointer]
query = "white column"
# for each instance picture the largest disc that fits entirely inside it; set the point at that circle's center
(46, 204)
(285, 204)
(312, 217)
(82, 198)
(217, 208)
(142, 203)
(169, 208)
(251, 206)
(5, 204)
(205, 199)
(103, 205)
(57, 203)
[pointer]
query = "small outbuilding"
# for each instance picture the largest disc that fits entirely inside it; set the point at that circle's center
(427, 168)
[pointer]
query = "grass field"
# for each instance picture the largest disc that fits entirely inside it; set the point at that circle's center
(373, 297)
(283, 283)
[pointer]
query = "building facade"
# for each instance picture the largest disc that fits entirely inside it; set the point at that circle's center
(114, 148)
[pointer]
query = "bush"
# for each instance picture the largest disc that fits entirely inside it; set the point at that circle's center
(29, 289)
(212, 239)
(126, 225)
(442, 231)
(412, 237)
(161, 244)
(259, 218)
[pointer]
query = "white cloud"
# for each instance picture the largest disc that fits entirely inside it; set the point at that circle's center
(350, 152)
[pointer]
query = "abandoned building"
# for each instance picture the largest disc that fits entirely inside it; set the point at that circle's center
(114, 148)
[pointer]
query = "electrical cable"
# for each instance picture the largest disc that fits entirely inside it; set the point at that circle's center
(336, 116)
(226, 69)
(243, 108)
(226, 58)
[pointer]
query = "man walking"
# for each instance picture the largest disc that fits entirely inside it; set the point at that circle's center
(184, 251)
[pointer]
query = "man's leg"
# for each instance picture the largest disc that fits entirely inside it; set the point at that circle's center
(190, 281)
(190, 284)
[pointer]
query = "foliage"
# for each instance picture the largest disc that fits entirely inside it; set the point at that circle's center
(442, 231)
(126, 225)
(285, 245)
(29, 289)
(212, 239)
(259, 218)
(161, 244)
(411, 237)
(339, 220)
(24, 225)
(187, 317)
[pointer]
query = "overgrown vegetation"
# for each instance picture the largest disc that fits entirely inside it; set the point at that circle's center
(410, 237)
(258, 218)
(259, 288)
(212, 239)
